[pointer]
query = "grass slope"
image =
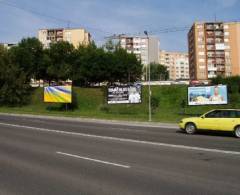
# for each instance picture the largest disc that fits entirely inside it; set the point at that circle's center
(92, 104)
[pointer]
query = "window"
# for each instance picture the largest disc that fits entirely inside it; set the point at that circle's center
(223, 114)
(226, 33)
(226, 27)
(200, 46)
(237, 114)
(227, 114)
(213, 114)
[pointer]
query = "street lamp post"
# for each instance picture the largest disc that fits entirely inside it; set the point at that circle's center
(149, 83)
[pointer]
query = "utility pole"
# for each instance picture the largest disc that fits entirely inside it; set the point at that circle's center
(149, 83)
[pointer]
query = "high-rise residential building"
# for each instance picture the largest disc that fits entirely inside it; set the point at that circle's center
(176, 63)
(75, 36)
(145, 48)
(214, 49)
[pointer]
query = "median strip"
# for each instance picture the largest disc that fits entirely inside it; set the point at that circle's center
(94, 160)
(125, 140)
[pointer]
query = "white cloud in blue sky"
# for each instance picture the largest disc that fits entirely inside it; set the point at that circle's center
(105, 17)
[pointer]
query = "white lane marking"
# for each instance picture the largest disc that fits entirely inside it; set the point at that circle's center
(94, 160)
(125, 140)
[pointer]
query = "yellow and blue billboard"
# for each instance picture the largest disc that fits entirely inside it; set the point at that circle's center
(58, 94)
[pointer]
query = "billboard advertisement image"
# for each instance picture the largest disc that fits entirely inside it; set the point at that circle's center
(124, 94)
(58, 94)
(207, 95)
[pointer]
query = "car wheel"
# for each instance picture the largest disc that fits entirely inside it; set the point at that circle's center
(237, 132)
(190, 128)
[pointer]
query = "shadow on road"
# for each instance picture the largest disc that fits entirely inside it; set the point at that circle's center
(211, 133)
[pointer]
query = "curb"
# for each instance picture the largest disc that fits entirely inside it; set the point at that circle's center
(99, 121)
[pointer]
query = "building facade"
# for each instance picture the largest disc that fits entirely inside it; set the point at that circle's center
(176, 63)
(214, 49)
(8, 45)
(145, 48)
(74, 36)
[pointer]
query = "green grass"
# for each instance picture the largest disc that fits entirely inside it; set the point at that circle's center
(92, 104)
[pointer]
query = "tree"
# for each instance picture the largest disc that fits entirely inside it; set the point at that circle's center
(59, 59)
(111, 45)
(126, 67)
(14, 87)
(88, 65)
(28, 57)
(158, 72)
(95, 65)
(232, 82)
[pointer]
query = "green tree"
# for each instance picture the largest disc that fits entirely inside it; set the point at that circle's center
(111, 45)
(232, 82)
(14, 87)
(28, 57)
(94, 65)
(158, 72)
(126, 67)
(59, 59)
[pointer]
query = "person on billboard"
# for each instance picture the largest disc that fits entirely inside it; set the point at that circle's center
(216, 97)
(134, 96)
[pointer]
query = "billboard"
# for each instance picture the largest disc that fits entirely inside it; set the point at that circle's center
(124, 94)
(207, 95)
(58, 94)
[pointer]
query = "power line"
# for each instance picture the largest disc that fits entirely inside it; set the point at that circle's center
(67, 22)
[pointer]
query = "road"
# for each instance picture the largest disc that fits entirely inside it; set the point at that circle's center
(57, 156)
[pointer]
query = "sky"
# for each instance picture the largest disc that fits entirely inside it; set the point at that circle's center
(103, 18)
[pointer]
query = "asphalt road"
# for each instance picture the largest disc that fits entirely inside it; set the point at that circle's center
(50, 156)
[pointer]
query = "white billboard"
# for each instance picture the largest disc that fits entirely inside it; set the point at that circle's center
(124, 94)
(207, 95)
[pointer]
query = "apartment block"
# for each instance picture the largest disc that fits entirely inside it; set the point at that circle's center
(74, 36)
(145, 48)
(177, 64)
(214, 49)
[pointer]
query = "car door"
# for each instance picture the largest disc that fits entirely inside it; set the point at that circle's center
(210, 120)
(228, 120)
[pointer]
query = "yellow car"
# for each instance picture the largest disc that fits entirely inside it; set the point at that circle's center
(216, 120)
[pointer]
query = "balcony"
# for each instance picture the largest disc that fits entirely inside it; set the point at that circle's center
(212, 68)
(220, 69)
(210, 34)
(212, 76)
(211, 47)
(219, 40)
(210, 41)
(220, 61)
(211, 55)
(220, 55)
(219, 34)
(210, 27)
